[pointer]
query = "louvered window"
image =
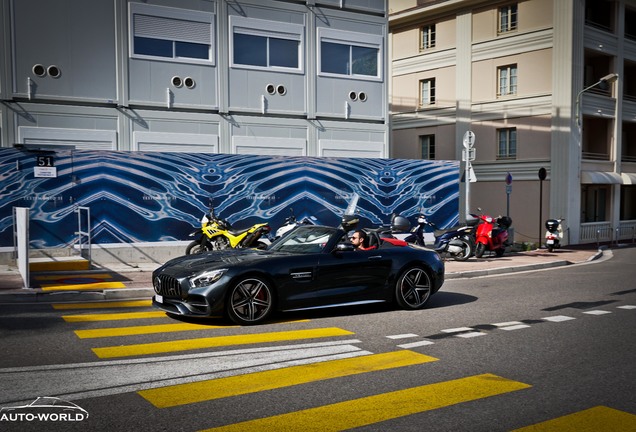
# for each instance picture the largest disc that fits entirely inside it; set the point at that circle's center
(264, 44)
(167, 34)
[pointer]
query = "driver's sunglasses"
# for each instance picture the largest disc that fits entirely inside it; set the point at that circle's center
(354, 238)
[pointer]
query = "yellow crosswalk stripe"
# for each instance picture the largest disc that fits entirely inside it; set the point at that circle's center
(102, 305)
(597, 419)
(148, 329)
(59, 276)
(156, 328)
(182, 394)
(374, 409)
(113, 316)
(213, 342)
(86, 286)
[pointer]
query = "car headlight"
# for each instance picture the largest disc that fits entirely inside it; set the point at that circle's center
(206, 278)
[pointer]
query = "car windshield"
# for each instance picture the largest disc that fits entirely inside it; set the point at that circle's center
(305, 239)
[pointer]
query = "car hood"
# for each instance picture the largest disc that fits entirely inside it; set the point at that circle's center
(215, 259)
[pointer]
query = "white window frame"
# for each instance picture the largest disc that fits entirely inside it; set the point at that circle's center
(176, 14)
(427, 99)
(426, 140)
(505, 82)
(507, 133)
(266, 28)
(429, 32)
(512, 18)
(351, 39)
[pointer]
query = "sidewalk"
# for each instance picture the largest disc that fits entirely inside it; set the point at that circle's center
(134, 281)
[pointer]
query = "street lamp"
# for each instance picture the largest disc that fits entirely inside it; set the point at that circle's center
(607, 79)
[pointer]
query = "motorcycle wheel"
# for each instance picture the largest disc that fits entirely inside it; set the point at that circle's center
(550, 249)
(194, 248)
(500, 251)
(480, 248)
(467, 251)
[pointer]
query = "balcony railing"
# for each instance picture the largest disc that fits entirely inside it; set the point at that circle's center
(601, 232)
(595, 232)
(595, 156)
(626, 158)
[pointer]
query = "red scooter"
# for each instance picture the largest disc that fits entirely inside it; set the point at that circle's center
(491, 234)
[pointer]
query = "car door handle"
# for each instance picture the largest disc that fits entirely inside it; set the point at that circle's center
(375, 257)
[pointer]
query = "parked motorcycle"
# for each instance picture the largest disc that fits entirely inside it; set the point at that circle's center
(554, 233)
(491, 234)
(216, 234)
(457, 242)
(291, 222)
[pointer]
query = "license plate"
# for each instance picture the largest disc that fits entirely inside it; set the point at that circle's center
(159, 298)
(550, 242)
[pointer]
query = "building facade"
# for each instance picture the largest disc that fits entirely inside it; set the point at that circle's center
(267, 77)
(543, 84)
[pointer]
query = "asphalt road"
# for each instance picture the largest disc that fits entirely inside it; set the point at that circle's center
(501, 353)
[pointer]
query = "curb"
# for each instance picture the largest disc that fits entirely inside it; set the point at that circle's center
(30, 296)
(504, 270)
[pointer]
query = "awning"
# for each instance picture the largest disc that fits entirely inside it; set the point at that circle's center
(629, 178)
(600, 177)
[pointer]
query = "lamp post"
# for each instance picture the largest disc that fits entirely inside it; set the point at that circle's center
(607, 79)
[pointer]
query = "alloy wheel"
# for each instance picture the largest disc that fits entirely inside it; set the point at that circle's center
(250, 301)
(413, 288)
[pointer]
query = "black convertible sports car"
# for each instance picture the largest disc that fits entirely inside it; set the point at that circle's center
(311, 267)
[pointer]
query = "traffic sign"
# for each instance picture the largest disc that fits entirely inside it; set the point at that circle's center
(509, 179)
(469, 139)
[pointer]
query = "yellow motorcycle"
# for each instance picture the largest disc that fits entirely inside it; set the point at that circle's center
(216, 234)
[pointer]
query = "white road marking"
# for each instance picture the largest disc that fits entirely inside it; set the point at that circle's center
(95, 379)
(597, 312)
(416, 344)
(470, 335)
(403, 336)
(627, 307)
(507, 324)
(458, 330)
(558, 318)
(515, 327)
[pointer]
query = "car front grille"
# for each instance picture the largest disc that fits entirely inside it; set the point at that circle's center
(167, 286)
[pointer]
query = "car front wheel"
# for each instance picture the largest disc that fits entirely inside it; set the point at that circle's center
(250, 301)
(413, 288)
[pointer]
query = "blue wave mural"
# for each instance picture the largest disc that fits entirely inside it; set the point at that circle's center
(153, 197)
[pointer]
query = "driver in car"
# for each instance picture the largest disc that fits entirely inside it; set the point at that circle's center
(360, 241)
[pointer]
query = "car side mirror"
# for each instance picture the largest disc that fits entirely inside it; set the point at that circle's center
(344, 247)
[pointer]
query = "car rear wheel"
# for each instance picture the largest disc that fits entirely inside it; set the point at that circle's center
(413, 288)
(250, 301)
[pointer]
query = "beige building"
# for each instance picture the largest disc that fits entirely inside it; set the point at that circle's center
(523, 76)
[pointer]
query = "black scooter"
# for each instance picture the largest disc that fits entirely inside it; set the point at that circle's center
(456, 242)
